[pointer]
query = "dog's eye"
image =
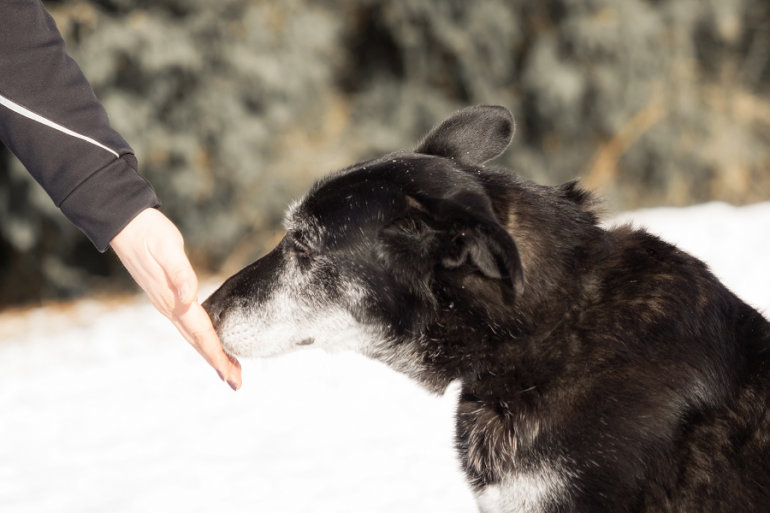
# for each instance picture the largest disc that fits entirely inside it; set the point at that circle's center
(300, 249)
(302, 255)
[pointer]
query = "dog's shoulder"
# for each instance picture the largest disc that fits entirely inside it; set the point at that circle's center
(642, 265)
(660, 305)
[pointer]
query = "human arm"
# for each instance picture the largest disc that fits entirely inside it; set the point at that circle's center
(52, 121)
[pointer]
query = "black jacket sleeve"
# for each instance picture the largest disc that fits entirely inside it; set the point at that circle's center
(52, 121)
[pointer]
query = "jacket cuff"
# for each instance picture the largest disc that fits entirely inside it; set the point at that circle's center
(107, 201)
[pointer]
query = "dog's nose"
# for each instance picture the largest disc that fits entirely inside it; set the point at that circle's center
(215, 310)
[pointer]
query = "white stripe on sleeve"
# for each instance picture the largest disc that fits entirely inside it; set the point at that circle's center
(40, 119)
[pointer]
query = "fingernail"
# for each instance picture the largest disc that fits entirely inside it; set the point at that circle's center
(232, 385)
(220, 376)
(184, 291)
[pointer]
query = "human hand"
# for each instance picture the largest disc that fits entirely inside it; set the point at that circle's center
(152, 249)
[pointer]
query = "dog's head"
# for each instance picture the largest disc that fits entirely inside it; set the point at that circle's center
(371, 251)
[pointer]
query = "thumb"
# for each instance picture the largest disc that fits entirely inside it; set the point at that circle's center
(172, 259)
(186, 284)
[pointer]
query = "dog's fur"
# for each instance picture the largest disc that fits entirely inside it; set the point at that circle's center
(601, 369)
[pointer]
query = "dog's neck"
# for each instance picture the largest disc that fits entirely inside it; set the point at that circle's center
(478, 331)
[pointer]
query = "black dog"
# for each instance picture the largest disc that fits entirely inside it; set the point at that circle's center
(601, 370)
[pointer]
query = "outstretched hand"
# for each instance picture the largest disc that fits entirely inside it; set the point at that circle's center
(152, 249)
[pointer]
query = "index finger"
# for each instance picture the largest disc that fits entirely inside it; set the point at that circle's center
(194, 324)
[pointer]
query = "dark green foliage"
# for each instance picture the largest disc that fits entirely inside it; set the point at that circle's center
(234, 106)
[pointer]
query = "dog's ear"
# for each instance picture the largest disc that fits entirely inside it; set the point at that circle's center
(441, 232)
(471, 136)
(479, 240)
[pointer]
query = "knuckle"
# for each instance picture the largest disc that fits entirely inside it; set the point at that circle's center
(166, 302)
(202, 332)
(177, 275)
(198, 335)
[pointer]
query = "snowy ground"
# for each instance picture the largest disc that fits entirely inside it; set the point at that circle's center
(104, 408)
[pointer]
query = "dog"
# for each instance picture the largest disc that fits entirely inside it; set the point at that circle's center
(601, 369)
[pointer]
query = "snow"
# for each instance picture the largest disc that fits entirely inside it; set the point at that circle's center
(104, 407)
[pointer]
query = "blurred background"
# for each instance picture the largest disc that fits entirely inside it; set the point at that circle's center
(234, 107)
